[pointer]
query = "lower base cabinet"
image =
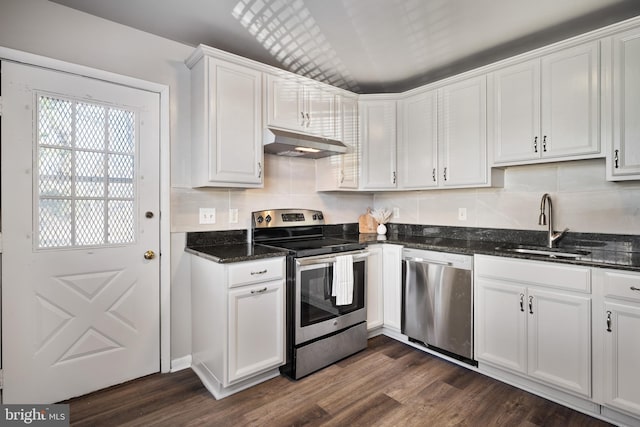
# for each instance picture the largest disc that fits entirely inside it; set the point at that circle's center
(238, 322)
(375, 297)
(534, 318)
(619, 324)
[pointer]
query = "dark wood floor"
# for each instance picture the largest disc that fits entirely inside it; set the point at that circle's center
(389, 384)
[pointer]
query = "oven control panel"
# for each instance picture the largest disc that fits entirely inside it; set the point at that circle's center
(286, 218)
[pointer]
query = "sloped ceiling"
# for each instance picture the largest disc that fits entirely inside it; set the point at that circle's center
(366, 46)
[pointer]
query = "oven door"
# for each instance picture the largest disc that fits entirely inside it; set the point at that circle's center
(316, 312)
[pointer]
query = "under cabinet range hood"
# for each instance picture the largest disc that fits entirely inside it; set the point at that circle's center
(285, 143)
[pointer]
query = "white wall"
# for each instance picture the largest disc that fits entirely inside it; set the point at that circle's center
(582, 201)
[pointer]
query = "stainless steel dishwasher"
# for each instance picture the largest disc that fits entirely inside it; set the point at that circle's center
(437, 301)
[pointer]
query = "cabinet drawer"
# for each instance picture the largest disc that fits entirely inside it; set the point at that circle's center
(622, 285)
(243, 273)
(557, 276)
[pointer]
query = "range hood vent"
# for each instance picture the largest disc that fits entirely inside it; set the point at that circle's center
(284, 143)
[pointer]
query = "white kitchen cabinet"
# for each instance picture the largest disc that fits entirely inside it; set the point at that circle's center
(226, 123)
(300, 106)
(463, 133)
(341, 172)
(378, 136)
(238, 322)
(619, 323)
(418, 141)
(623, 154)
(534, 318)
(392, 286)
(375, 296)
(547, 109)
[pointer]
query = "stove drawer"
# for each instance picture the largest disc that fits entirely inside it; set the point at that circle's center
(263, 270)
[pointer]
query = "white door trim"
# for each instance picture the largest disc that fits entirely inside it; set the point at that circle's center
(165, 164)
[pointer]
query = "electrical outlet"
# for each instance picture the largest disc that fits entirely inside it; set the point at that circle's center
(233, 216)
(462, 214)
(207, 215)
(396, 213)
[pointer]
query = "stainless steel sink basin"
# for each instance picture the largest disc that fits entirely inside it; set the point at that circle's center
(546, 252)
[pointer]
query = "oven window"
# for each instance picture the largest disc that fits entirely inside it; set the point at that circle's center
(316, 302)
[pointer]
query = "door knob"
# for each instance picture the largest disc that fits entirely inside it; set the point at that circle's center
(149, 255)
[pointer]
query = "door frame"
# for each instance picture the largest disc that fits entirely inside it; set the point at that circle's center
(165, 168)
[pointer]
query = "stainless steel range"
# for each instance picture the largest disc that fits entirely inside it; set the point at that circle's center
(326, 282)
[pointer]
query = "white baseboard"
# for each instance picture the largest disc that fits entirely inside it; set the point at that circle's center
(181, 363)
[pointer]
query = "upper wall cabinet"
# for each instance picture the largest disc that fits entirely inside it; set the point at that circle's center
(418, 141)
(623, 155)
(299, 107)
(378, 136)
(547, 109)
(442, 138)
(226, 123)
(342, 172)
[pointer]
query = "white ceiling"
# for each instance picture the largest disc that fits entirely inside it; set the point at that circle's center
(366, 46)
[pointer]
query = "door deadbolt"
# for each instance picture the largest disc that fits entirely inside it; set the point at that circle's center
(149, 255)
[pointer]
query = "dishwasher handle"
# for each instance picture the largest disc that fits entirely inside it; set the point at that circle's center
(427, 261)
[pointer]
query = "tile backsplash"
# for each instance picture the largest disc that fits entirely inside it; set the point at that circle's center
(582, 200)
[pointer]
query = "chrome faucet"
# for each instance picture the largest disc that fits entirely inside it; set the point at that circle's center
(542, 220)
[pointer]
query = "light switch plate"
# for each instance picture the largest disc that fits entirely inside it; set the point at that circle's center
(462, 214)
(396, 213)
(207, 215)
(233, 216)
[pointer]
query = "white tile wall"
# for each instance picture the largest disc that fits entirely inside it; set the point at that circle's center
(288, 183)
(582, 200)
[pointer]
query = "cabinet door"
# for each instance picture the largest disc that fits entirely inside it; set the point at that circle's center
(285, 107)
(621, 356)
(559, 335)
(392, 285)
(417, 142)
(235, 124)
(463, 131)
(501, 324)
(378, 131)
(570, 107)
(516, 112)
(375, 301)
(256, 329)
(320, 112)
(623, 162)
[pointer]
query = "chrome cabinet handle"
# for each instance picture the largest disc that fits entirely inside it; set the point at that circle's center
(530, 305)
(253, 273)
(341, 176)
(259, 291)
(302, 116)
(259, 169)
(608, 321)
(633, 288)
(535, 144)
(616, 159)
(522, 302)
(395, 177)
(445, 174)
(433, 174)
(308, 119)
(544, 143)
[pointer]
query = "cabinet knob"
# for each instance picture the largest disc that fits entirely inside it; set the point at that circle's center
(149, 255)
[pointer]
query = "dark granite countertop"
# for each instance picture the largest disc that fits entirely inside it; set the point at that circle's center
(605, 250)
(235, 252)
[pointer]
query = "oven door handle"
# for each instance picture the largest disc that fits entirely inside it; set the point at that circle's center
(330, 259)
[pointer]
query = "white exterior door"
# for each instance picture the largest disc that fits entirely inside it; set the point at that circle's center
(80, 207)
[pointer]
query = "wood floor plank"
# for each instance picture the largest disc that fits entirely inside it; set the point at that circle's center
(388, 384)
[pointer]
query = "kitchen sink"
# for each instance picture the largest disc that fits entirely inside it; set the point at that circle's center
(546, 252)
